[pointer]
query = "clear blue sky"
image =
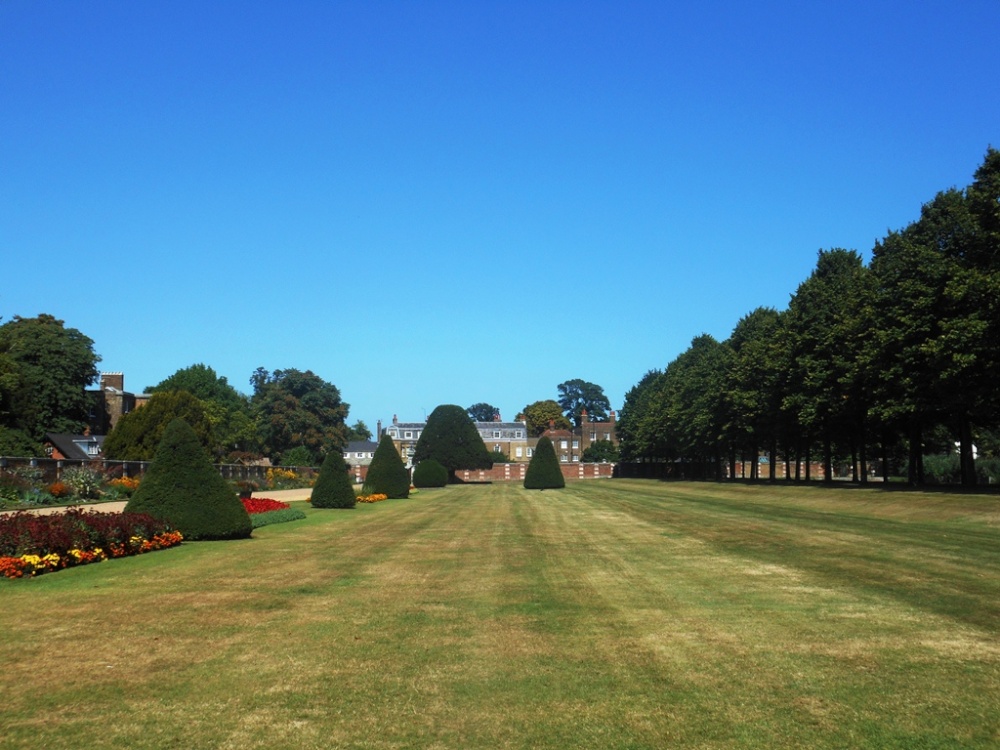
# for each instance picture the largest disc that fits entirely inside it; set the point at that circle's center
(453, 202)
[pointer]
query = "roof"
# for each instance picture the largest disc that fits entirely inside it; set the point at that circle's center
(361, 446)
(77, 447)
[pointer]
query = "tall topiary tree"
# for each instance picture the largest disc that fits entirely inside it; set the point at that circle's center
(183, 488)
(450, 437)
(544, 472)
(387, 474)
(333, 487)
(429, 473)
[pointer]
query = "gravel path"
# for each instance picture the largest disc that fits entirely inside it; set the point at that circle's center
(285, 496)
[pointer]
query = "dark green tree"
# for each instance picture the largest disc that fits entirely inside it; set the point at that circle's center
(227, 409)
(482, 412)
(638, 430)
(544, 472)
(429, 473)
(137, 434)
(299, 456)
(358, 432)
(45, 369)
(293, 408)
(540, 415)
(333, 488)
(577, 395)
(182, 488)
(450, 437)
(387, 474)
(600, 451)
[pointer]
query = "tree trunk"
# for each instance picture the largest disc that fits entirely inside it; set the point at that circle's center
(966, 460)
(827, 458)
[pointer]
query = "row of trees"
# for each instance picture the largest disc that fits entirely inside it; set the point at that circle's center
(896, 359)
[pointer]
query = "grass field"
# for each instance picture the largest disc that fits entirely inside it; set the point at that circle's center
(611, 614)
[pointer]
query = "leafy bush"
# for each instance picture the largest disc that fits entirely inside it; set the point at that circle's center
(387, 474)
(298, 456)
(988, 470)
(430, 473)
(183, 488)
(544, 472)
(59, 490)
(85, 483)
(333, 487)
(940, 469)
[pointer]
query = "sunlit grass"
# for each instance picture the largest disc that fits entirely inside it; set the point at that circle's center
(609, 614)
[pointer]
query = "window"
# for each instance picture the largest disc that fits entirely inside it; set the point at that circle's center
(518, 434)
(496, 434)
(593, 435)
(563, 444)
(346, 454)
(496, 448)
(361, 454)
(394, 433)
(518, 452)
(408, 435)
(576, 458)
(529, 453)
(576, 444)
(564, 458)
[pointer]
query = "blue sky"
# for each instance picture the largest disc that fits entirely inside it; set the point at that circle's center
(454, 202)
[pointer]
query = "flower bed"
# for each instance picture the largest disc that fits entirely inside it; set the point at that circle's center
(264, 511)
(376, 498)
(33, 544)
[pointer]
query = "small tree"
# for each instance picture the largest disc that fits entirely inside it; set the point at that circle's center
(430, 473)
(600, 451)
(543, 472)
(450, 437)
(183, 488)
(387, 474)
(333, 487)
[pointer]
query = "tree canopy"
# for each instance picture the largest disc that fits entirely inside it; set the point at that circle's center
(539, 415)
(450, 437)
(137, 434)
(577, 395)
(482, 412)
(294, 408)
(45, 369)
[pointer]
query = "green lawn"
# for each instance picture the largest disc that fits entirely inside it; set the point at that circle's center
(611, 614)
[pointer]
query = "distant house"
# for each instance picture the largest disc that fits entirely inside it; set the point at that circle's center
(73, 447)
(359, 452)
(111, 402)
(509, 438)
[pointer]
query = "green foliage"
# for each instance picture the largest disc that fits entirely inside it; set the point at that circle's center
(600, 451)
(544, 472)
(333, 488)
(482, 412)
(293, 408)
(276, 516)
(84, 482)
(137, 434)
(45, 369)
(182, 488)
(541, 414)
(430, 473)
(387, 474)
(358, 432)
(17, 443)
(298, 456)
(450, 437)
(577, 395)
(499, 457)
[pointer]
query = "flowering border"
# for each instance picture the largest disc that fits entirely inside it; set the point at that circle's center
(33, 565)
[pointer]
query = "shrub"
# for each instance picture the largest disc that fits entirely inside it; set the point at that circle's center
(59, 490)
(450, 437)
(298, 456)
(184, 489)
(544, 472)
(387, 474)
(85, 483)
(430, 473)
(333, 487)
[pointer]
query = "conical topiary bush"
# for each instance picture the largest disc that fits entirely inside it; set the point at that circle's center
(430, 473)
(387, 473)
(183, 488)
(333, 488)
(544, 472)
